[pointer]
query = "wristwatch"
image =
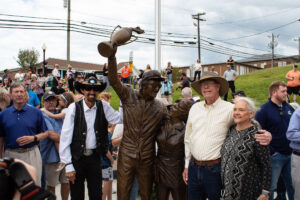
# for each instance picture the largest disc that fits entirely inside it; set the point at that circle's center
(35, 138)
(265, 193)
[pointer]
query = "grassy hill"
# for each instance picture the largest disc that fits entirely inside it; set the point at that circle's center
(255, 84)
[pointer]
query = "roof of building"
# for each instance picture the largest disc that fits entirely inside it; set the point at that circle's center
(264, 57)
(258, 58)
(77, 65)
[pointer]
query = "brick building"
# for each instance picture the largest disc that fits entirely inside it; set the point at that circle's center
(79, 67)
(247, 65)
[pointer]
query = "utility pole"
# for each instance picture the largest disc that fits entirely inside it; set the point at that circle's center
(157, 35)
(198, 18)
(68, 32)
(272, 46)
(67, 4)
(298, 39)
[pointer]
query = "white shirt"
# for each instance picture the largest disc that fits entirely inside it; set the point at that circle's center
(206, 130)
(118, 132)
(198, 67)
(55, 72)
(111, 115)
(229, 75)
(19, 76)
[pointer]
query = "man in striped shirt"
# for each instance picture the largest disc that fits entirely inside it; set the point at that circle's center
(206, 130)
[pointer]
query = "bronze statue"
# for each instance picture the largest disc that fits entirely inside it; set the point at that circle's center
(106, 49)
(169, 162)
(143, 117)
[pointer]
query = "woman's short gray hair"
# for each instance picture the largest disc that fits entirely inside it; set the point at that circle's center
(250, 103)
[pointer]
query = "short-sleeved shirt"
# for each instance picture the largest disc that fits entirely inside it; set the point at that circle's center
(33, 98)
(19, 76)
(47, 147)
(169, 70)
(58, 91)
(229, 75)
(70, 74)
(185, 83)
(118, 132)
(126, 71)
(296, 81)
(166, 87)
(55, 72)
(14, 123)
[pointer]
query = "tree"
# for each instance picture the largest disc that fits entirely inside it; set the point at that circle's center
(27, 58)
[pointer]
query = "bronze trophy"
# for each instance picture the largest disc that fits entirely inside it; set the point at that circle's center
(119, 38)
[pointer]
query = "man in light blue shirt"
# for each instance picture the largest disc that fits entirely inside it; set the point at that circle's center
(167, 90)
(49, 151)
(293, 134)
(230, 75)
(33, 98)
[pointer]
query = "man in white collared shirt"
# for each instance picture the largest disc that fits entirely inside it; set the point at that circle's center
(82, 140)
(206, 130)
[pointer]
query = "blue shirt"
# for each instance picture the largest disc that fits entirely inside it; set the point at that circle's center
(105, 162)
(47, 147)
(276, 122)
(33, 98)
(14, 123)
(166, 87)
(293, 133)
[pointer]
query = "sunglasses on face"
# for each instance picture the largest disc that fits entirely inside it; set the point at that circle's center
(91, 88)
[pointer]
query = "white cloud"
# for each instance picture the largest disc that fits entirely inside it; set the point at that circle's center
(176, 18)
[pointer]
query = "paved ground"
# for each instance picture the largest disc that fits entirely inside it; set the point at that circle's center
(114, 196)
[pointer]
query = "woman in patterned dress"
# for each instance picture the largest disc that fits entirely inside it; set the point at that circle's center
(245, 165)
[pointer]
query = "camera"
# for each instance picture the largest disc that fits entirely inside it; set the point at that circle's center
(14, 176)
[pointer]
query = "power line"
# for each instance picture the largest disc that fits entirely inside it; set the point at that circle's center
(105, 32)
(272, 29)
(93, 29)
(148, 32)
(254, 18)
(74, 29)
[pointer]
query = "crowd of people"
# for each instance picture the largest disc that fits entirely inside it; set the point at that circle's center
(190, 149)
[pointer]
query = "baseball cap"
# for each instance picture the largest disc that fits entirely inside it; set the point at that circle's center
(49, 94)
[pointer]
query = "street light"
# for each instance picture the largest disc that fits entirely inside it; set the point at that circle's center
(44, 47)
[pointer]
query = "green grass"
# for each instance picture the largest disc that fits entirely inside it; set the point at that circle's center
(255, 85)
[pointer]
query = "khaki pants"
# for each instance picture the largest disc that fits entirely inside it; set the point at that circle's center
(168, 97)
(32, 157)
(296, 175)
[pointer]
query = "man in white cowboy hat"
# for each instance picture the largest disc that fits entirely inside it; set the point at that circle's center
(84, 138)
(206, 130)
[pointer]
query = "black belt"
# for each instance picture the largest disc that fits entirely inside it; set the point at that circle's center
(296, 153)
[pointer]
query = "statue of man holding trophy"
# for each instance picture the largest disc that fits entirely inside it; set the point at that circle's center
(143, 117)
